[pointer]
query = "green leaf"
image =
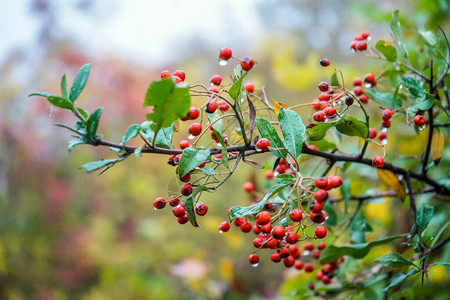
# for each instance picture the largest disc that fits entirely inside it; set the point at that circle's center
(92, 122)
(75, 142)
(399, 278)
(424, 215)
(170, 102)
(441, 263)
(359, 229)
(190, 159)
(332, 252)
(240, 211)
(388, 99)
(395, 260)
(323, 145)
(224, 153)
(332, 216)
(82, 112)
(285, 178)
(319, 130)
(435, 44)
(64, 91)
(79, 82)
(293, 131)
(351, 126)
(42, 94)
(218, 126)
(268, 131)
(95, 165)
(395, 28)
(163, 138)
(189, 204)
(55, 100)
(236, 89)
(131, 133)
(334, 79)
(387, 50)
(415, 88)
(345, 191)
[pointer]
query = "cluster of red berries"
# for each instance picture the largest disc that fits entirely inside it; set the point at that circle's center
(178, 76)
(369, 81)
(359, 41)
(327, 273)
(326, 102)
(246, 62)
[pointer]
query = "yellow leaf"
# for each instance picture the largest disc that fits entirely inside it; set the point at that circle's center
(437, 146)
(277, 106)
(392, 181)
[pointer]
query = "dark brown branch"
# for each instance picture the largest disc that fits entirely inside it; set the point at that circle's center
(370, 197)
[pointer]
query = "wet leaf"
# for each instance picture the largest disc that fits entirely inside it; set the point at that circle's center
(392, 181)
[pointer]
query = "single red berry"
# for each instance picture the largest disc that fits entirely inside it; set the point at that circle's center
(249, 187)
(313, 147)
(216, 79)
(292, 238)
(309, 268)
(272, 243)
(335, 181)
(225, 53)
(289, 261)
(179, 211)
(266, 228)
(159, 203)
(309, 246)
(183, 219)
(365, 34)
(224, 226)
(238, 221)
(246, 226)
(369, 79)
(174, 201)
(321, 182)
(372, 133)
(326, 269)
(326, 279)
(382, 135)
(201, 209)
(321, 195)
(258, 241)
(316, 253)
(361, 46)
(211, 107)
(278, 232)
(316, 207)
(323, 86)
(419, 120)
(223, 105)
(357, 90)
(363, 98)
(180, 74)
(311, 286)
(247, 63)
(249, 87)
(324, 62)
(358, 37)
(386, 123)
(184, 144)
(298, 265)
(186, 177)
(176, 79)
(165, 74)
(262, 218)
(268, 174)
(253, 259)
(186, 189)
(213, 89)
(321, 232)
(316, 104)
(378, 162)
(319, 116)
(341, 259)
(296, 215)
(353, 45)
(324, 97)
(387, 114)
(263, 144)
(193, 113)
(195, 129)
(322, 245)
(357, 81)
(275, 257)
(329, 112)
(319, 275)
(318, 218)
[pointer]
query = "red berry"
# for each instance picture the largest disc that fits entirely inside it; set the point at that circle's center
(313, 147)
(249, 186)
(165, 74)
(386, 123)
(378, 162)
(309, 268)
(216, 79)
(309, 246)
(319, 116)
(320, 232)
(272, 243)
(174, 201)
(262, 218)
(324, 62)
(186, 189)
(213, 89)
(363, 98)
(318, 217)
(184, 144)
(195, 129)
(316, 207)
(316, 254)
(177, 79)
(387, 114)
(266, 228)
(382, 135)
(353, 45)
(326, 279)
(357, 81)
(289, 261)
(357, 90)
(321, 182)
(268, 174)
(296, 215)
(323, 86)
(263, 144)
(186, 177)
(180, 74)
(179, 211)
(247, 63)
(238, 221)
(223, 105)
(311, 286)
(372, 133)
(183, 219)
(292, 238)
(361, 46)
(365, 34)
(201, 209)
(258, 241)
(419, 120)
(324, 97)
(278, 232)
(335, 181)
(329, 111)
(224, 226)
(253, 259)
(159, 203)
(193, 113)
(321, 195)
(275, 257)
(211, 107)
(326, 269)
(358, 37)
(298, 265)
(225, 53)
(319, 275)
(249, 87)
(369, 79)
(246, 227)
(322, 245)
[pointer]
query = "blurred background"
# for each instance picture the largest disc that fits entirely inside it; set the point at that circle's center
(65, 234)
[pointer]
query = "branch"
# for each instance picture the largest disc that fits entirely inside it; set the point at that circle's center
(370, 197)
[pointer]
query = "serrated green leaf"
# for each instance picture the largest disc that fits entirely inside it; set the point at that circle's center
(332, 252)
(268, 131)
(190, 159)
(131, 133)
(92, 122)
(240, 211)
(359, 229)
(387, 50)
(351, 126)
(319, 130)
(293, 131)
(424, 216)
(163, 138)
(75, 142)
(170, 102)
(189, 204)
(64, 91)
(96, 165)
(388, 99)
(399, 278)
(79, 82)
(395, 260)
(236, 89)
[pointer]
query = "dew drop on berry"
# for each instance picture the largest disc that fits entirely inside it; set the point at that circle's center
(369, 38)
(367, 85)
(257, 149)
(155, 208)
(220, 231)
(384, 142)
(223, 62)
(255, 265)
(384, 129)
(353, 50)
(190, 136)
(305, 253)
(422, 127)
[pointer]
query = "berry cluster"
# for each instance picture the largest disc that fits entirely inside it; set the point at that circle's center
(359, 41)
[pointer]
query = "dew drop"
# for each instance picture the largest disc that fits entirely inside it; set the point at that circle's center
(422, 127)
(384, 129)
(220, 231)
(255, 265)
(155, 208)
(384, 142)
(305, 253)
(219, 145)
(369, 38)
(367, 85)
(257, 149)
(223, 62)
(190, 136)
(353, 50)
